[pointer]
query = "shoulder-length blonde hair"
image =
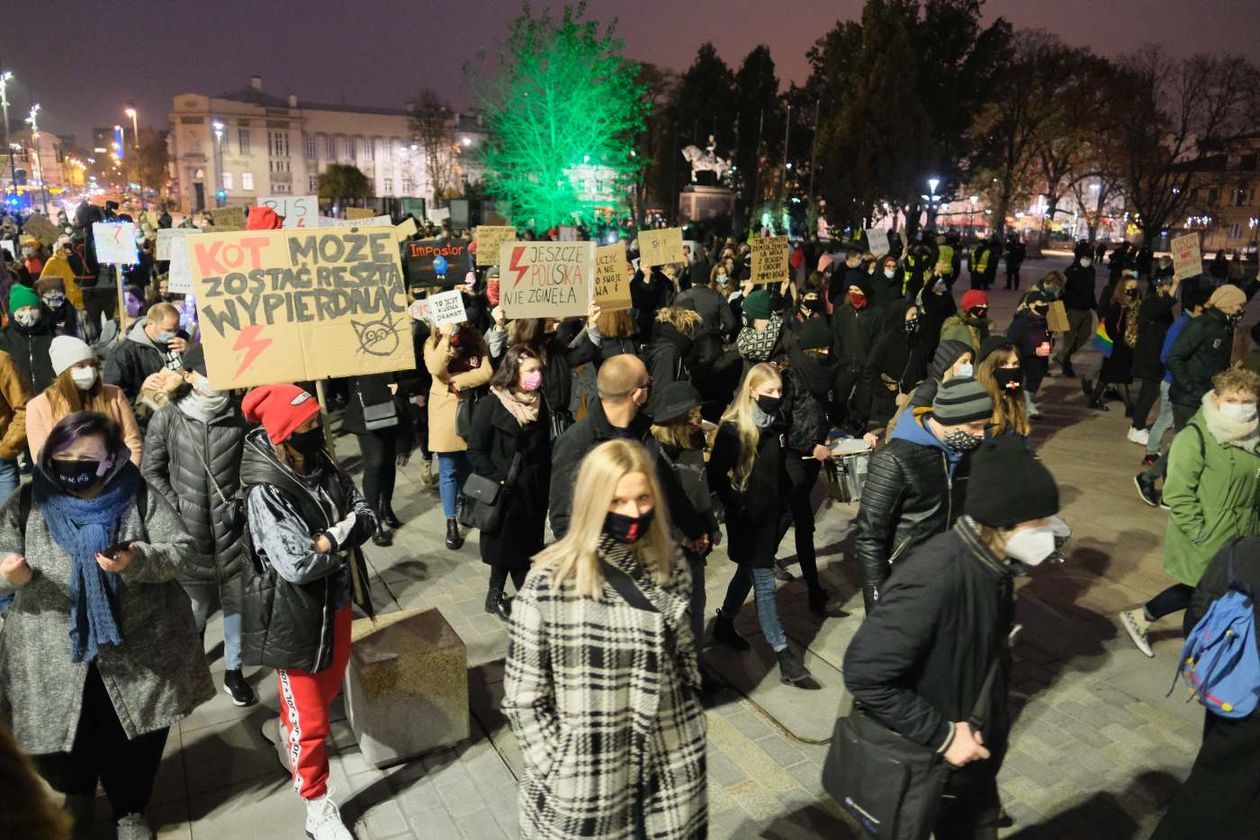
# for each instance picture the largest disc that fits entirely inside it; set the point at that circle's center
(1009, 412)
(575, 556)
(740, 414)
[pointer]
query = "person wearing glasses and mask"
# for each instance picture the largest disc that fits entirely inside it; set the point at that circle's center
(153, 344)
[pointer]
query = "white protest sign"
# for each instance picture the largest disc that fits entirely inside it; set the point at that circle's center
(170, 240)
(115, 243)
(374, 221)
(179, 272)
(877, 241)
(446, 308)
(1187, 258)
(298, 211)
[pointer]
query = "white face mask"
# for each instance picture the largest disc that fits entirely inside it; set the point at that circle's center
(84, 378)
(1239, 412)
(890, 273)
(1086, 263)
(1037, 544)
(964, 371)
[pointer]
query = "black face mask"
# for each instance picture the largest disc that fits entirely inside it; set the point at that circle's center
(769, 405)
(1009, 379)
(76, 476)
(627, 530)
(307, 443)
(815, 305)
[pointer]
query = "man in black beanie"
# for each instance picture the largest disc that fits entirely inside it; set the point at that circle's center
(919, 663)
(915, 485)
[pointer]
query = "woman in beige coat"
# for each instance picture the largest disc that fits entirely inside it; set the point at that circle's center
(457, 357)
(79, 387)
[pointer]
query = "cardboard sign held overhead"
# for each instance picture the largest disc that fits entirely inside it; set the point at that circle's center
(115, 243)
(489, 239)
(1187, 258)
(437, 262)
(658, 247)
(446, 308)
(877, 241)
(39, 226)
(170, 240)
(228, 218)
(298, 211)
(296, 305)
(371, 221)
(546, 279)
(360, 212)
(406, 229)
(612, 278)
(769, 260)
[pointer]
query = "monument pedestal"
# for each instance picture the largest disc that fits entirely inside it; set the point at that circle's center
(698, 203)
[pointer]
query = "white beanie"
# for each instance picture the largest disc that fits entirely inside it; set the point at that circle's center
(67, 351)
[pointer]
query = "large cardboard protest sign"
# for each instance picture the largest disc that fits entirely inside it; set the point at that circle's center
(661, 246)
(489, 239)
(294, 305)
(370, 221)
(39, 226)
(446, 308)
(228, 218)
(769, 260)
(437, 262)
(115, 243)
(1187, 258)
(298, 211)
(1056, 318)
(877, 241)
(546, 279)
(612, 278)
(360, 213)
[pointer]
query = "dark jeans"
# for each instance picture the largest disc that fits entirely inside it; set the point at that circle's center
(98, 300)
(803, 475)
(499, 576)
(126, 769)
(380, 450)
(1221, 797)
(1012, 277)
(1173, 599)
(1146, 398)
(974, 817)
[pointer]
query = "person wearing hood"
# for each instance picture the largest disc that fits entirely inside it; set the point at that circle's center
(100, 655)
(895, 367)
(1080, 302)
(192, 456)
(1212, 492)
(852, 273)
(762, 338)
(296, 616)
(1001, 372)
(855, 328)
(1119, 317)
(59, 313)
(936, 306)
(154, 344)
(669, 353)
(32, 258)
(28, 337)
(68, 266)
(78, 387)
(1031, 334)
(916, 484)
(952, 360)
(888, 283)
(971, 325)
(921, 663)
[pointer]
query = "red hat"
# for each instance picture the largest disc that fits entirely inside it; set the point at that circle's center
(280, 409)
(263, 218)
(974, 298)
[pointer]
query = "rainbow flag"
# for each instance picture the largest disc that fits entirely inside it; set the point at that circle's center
(1103, 341)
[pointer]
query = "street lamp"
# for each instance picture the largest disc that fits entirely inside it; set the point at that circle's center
(135, 127)
(5, 78)
(219, 190)
(33, 119)
(933, 183)
(975, 199)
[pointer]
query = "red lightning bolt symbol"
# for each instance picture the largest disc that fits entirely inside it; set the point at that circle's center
(253, 346)
(520, 270)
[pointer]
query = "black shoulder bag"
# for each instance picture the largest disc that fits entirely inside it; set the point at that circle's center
(559, 421)
(464, 408)
(889, 784)
(485, 499)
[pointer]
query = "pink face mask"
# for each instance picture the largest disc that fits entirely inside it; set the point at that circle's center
(531, 381)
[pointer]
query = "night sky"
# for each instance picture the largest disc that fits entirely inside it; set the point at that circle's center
(83, 65)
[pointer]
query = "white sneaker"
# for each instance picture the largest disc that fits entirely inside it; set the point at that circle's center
(1139, 436)
(1135, 623)
(323, 820)
(133, 827)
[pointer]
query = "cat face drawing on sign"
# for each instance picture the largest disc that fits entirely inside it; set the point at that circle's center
(377, 338)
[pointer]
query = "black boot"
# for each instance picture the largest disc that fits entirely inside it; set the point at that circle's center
(498, 605)
(725, 633)
(454, 539)
(818, 599)
(389, 517)
(383, 536)
(1068, 371)
(791, 670)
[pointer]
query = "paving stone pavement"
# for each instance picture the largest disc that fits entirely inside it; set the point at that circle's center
(1096, 751)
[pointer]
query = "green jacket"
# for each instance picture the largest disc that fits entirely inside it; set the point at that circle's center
(966, 329)
(1213, 490)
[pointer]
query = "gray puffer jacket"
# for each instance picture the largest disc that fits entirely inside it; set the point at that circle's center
(155, 678)
(177, 450)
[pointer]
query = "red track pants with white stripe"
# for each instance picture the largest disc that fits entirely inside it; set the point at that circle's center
(304, 701)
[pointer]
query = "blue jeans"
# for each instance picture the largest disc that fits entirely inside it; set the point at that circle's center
(453, 470)
(761, 581)
(203, 599)
(8, 478)
(1163, 421)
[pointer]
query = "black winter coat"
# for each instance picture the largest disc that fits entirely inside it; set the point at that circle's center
(919, 660)
(1118, 367)
(1155, 316)
(1200, 352)
(648, 298)
(177, 451)
(711, 304)
(807, 391)
(754, 514)
(558, 363)
(29, 349)
(1029, 331)
(495, 440)
(1078, 287)
(855, 332)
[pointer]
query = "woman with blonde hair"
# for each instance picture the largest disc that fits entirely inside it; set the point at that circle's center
(747, 471)
(601, 678)
(79, 387)
(1002, 375)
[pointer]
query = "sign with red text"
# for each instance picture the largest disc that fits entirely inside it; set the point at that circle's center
(115, 243)
(1187, 258)
(298, 211)
(297, 305)
(441, 263)
(546, 279)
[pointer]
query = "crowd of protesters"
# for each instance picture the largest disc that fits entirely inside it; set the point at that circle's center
(602, 458)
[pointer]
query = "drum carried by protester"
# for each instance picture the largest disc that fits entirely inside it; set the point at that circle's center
(846, 471)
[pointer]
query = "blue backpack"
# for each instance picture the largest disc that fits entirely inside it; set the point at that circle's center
(1219, 661)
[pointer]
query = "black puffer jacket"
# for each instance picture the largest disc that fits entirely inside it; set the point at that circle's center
(1200, 352)
(808, 384)
(177, 451)
(1155, 316)
(29, 349)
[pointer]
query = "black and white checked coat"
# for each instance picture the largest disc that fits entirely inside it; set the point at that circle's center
(605, 712)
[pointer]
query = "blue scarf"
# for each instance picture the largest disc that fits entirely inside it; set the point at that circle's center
(82, 528)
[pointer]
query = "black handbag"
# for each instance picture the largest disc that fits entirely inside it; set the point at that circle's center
(559, 421)
(889, 784)
(464, 409)
(379, 415)
(485, 499)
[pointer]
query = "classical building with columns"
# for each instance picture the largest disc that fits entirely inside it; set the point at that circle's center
(232, 148)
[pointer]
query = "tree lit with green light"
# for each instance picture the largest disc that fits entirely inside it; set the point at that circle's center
(562, 103)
